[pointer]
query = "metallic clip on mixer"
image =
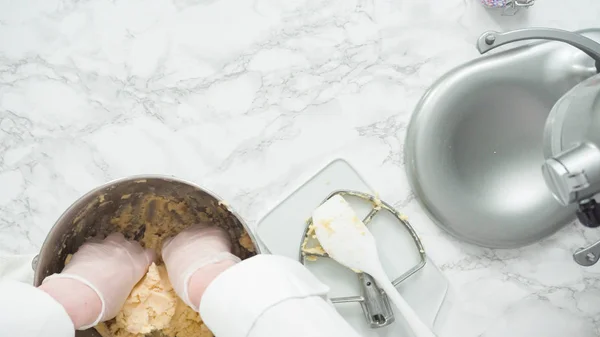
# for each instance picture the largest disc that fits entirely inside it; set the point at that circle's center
(375, 304)
(571, 135)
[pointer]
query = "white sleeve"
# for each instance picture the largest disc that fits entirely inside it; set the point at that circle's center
(270, 296)
(26, 311)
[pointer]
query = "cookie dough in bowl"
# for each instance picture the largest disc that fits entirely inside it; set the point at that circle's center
(153, 306)
(147, 209)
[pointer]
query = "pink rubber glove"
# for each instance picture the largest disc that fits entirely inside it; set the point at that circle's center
(194, 258)
(109, 267)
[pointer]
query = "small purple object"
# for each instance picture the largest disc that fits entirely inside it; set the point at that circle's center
(496, 3)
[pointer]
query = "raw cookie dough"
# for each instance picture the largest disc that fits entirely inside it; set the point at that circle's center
(149, 218)
(311, 248)
(153, 305)
(247, 243)
(154, 218)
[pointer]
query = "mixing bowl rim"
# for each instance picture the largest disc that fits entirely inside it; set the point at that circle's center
(84, 199)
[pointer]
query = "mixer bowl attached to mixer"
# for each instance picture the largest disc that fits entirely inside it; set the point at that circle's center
(474, 145)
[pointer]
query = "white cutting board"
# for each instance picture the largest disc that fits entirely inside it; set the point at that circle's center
(282, 229)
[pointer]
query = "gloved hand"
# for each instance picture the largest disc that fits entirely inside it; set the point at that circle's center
(110, 267)
(194, 258)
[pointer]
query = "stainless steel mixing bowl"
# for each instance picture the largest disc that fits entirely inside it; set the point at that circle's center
(91, 215)
(474, 145)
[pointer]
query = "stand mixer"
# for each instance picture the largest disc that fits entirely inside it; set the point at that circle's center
(571, 136)
(572, 167)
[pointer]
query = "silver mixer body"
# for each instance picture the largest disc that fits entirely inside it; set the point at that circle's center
(572, 145)
(571, 135)
(572, 149)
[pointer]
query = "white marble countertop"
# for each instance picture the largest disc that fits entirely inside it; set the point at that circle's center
(249, 98)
